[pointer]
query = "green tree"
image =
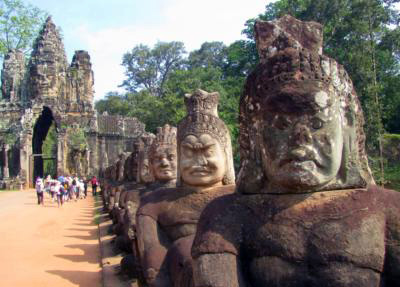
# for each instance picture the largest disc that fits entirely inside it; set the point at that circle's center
(210, 54)
(19, 25)
(49, 150)
(148, 69)
(114, 103)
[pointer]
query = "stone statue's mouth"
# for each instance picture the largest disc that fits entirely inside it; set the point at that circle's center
(301, 162)
(200, 171)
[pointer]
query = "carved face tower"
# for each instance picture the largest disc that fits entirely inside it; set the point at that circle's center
(300, 119)
(204, 144)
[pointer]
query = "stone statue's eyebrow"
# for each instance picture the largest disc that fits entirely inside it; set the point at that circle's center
(186, 144)
(197, 145)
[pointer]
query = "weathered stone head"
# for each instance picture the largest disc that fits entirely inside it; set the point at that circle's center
(204, 143)
(120, 166)
(131, 163)
(145, 172)
(300, 119)
(162, 154)
(113, 172)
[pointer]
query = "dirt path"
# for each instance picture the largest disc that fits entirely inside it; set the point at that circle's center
(44, 246)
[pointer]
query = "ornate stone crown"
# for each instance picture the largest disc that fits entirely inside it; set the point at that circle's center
(202, 116)
(292, 50)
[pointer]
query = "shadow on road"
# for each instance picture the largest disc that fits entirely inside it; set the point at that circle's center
(80, 278)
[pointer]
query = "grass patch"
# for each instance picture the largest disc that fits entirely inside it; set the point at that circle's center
(392, 176)
(9, 190)
(97, 210)
(391, 173)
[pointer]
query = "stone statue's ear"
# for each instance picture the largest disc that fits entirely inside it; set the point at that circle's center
(251, 177)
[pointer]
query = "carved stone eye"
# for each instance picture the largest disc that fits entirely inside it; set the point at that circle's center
(316, 123)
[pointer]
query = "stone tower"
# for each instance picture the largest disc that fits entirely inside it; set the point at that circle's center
(50, 92)
(12, 76)
(48, 65)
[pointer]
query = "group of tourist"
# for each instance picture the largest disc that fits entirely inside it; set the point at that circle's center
(304, 210)
(64, 188)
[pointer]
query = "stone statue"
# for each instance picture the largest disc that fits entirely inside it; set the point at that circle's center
(131, 163)
(127, 188)
(156, 169)
(307, 213)
(112, 183)
(167, 218)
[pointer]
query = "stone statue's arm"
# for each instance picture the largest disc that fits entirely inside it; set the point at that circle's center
(218, 270)
(152, 252)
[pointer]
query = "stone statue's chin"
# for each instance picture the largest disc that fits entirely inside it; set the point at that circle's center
(299, 176)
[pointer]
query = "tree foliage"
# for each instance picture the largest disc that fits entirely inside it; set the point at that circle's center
(149, 68)
(19, 25)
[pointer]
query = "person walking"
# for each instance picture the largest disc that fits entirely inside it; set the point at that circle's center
(39, 186)
(85, 184)
(94, 183)
(58, 193)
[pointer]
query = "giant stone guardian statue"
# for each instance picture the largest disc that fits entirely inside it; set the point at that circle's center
(167, 218)
(308, 213)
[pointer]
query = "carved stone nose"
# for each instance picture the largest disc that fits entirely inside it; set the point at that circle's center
(201, 160)
(164, 162)
(302, 134)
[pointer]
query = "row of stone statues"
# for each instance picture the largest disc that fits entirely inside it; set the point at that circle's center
(304, 210)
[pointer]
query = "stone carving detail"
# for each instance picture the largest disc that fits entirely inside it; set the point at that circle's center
(203, 118)
(170, 215)
(12, 76)
(307, 214)
(48, 64)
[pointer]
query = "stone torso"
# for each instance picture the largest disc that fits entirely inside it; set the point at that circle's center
(318, 241)
(177, 210)
(334, 238)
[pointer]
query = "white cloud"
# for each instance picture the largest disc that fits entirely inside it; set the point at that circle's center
(192, 22)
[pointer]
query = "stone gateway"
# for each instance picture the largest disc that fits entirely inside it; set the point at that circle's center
(49, 92)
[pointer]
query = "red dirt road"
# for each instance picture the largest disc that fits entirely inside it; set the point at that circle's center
(44, 246)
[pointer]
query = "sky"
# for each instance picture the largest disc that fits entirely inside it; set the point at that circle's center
(108, 29)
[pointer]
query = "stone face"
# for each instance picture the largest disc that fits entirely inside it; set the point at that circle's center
(12, 76)
(145, 172)
(305, 216)
(81, 81)
(48, 64)
(162, 154)
(167, 218)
